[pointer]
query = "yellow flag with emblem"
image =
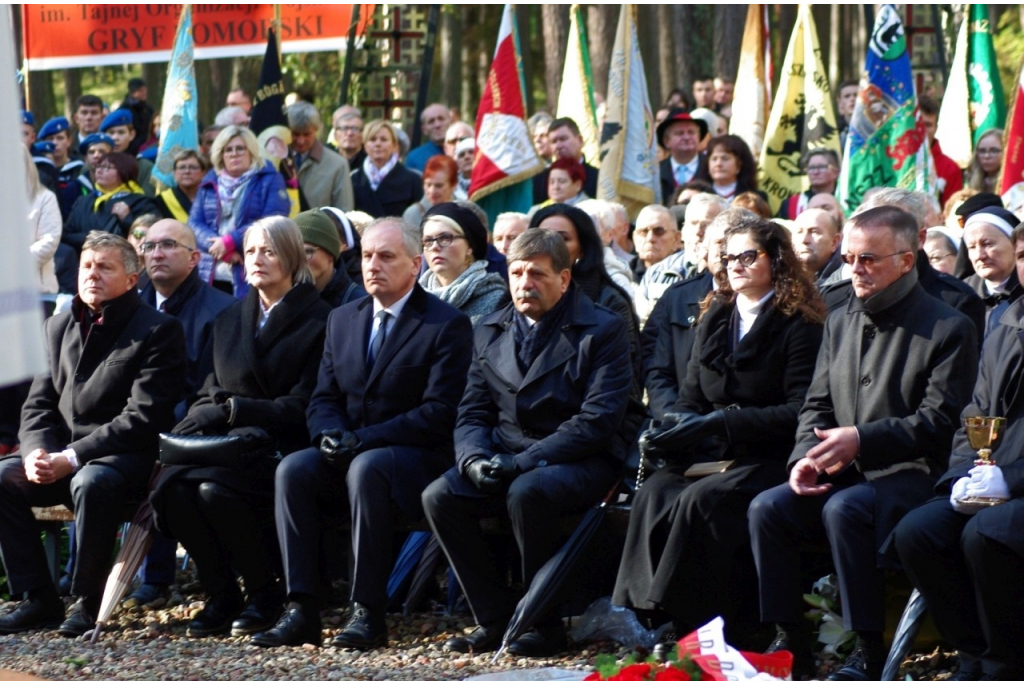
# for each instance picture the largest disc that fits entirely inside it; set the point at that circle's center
(802, 116)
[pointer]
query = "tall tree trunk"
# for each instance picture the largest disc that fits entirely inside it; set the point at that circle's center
(555, 20)
(647, 33)
(72, 91)
(835, 46)
(728, 39)
(528, 18)
(155, 76)
(451, 57)
(667, 54)
(602, 21)
(681, 15)
(468, 77)
(40, 95)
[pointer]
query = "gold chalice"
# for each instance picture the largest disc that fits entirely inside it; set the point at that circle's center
(982, 433)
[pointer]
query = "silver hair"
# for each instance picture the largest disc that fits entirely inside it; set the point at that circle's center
(505, 217)
(703, 200)
(303, 115)
(913, 202)
(663, 212)
(601, 213)
(230, 116)
(285, 239)
(101, 241)
(412, 237)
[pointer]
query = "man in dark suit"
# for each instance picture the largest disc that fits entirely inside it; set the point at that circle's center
(680, 135)
(175, 288)
(539, 433)
(565, 140)
(895, 368)
(380, 421)
(89, 433)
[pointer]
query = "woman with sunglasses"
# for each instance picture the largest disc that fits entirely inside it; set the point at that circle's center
(455, 250)
(113, 206)
(687, 555)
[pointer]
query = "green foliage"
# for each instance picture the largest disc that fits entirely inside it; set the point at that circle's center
(824, 597)
(316, 75)
(1009, 43)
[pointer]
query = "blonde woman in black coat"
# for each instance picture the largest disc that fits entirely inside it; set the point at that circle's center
(687, 555)
(265, 357)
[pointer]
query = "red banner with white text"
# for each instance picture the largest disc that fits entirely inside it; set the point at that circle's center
(62, 36)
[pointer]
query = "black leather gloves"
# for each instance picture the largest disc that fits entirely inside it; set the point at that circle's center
(339, 447)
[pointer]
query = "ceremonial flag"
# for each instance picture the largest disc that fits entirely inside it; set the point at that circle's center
(886, 145)
(802, 117)
(179, 127)
(629, 156)
(505, 157)
(1011, 180)
(753, 100)
(974, 97)
(576, 97)
(21, 314)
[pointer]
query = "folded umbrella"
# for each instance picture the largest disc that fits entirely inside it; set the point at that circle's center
(406, 563)
(906, 632)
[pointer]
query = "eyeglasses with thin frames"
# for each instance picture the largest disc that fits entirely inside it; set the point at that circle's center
(165, 245)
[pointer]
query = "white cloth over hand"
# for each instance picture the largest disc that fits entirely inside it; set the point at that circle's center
(984, 481)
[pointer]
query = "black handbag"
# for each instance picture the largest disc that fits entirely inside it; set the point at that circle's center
(228, 451)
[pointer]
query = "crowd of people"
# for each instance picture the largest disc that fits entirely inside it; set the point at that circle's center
(377, 351)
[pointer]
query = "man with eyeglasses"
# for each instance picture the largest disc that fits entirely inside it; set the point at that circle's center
(170, 255)
(348, 135)
(895, 368)
(822, 169)
(324, 175)
(89, 434)
(658, 246)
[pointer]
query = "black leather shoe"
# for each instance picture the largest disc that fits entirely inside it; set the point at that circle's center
(541, 641)
(363, 630)
(80, 621)
(799, 646)
(261, 613)
(216, 615)
(485, 638)
(297, 626)
(860, 666)
(33, 614)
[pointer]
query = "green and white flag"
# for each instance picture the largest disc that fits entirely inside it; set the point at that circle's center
(576, 97)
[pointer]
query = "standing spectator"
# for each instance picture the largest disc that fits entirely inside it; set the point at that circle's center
(324, 175)
(88, 116)
(704, 92)
(440, 178)
(434, 122)
(731, 168)
(457, 133)
(723, 96)
(348, 135)
(539, 125)
(846, 101)
(118, 125)
(566, 143)
(141, 111)
(93, 149)
(28, 128)
(58, 132)
(465, 155)
(206, 139)
(44, 218)
(680, 135)
(951, 178)
(507, 227)
(116, 203)
(566, 178)
(830, 204)
(237, 97)
(383, 186)
(240, 188)
(822, 169)
(176, 201)
(987, 162)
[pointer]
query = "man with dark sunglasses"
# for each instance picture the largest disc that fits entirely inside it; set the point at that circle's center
(896, 367)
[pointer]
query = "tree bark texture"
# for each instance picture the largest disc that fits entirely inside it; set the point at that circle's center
(602, 21)
(728, 39)
(555, 27)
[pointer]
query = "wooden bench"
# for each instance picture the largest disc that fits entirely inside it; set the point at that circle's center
(52, 520)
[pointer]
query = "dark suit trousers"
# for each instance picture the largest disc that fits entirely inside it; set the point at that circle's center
(534, 502)
(969, 581)
(781, 522)
(97, 493)
(378, 485)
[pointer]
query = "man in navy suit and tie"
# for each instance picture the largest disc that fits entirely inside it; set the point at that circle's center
(381, 422)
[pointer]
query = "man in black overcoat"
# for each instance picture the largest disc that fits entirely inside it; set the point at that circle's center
(539, 433)
(89, 433)
(968, 560)
(895, 368)
(380, 422)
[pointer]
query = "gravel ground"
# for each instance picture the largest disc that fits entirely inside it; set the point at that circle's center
(151, 645)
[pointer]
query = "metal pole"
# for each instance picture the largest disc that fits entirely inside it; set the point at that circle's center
(940, 44)
(350, 51)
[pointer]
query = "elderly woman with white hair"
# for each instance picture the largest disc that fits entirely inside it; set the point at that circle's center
(265, 358)
(240, 189)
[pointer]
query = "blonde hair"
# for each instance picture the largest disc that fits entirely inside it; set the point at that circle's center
(221, 142)
(31, 176)
(374, 127)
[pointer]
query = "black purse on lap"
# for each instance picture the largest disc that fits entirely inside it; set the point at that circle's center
(237, 450)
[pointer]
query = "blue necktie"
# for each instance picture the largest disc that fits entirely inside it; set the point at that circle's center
(378, 340)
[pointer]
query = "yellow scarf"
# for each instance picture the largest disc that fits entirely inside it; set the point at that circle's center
(124, 188)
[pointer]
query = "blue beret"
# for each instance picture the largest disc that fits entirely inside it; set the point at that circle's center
(119, 117)
(149, 153)
(43, 147)
(53, 127)
(27, 118)
(92, 139)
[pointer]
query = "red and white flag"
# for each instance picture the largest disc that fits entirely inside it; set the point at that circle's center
(505, 155)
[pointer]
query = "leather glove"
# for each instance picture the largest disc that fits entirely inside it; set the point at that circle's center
(339, 447)
(503, 466)
(481, 474)
(690, 430)
(205, 417)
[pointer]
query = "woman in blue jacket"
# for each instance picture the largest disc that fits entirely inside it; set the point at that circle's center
(240, 189)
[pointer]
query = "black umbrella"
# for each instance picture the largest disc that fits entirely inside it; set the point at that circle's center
(906, 632)
(546, 588)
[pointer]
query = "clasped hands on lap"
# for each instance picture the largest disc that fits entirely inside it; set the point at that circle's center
(837, 450)
(44, 468)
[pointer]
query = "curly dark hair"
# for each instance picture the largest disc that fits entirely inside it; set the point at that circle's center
(734, 145)
(795, 291)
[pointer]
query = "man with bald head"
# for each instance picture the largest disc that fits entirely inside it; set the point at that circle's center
(816, 238)
(175, 288)
(434, 122)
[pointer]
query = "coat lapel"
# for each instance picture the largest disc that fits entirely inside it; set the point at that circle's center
(250, 324)
(407, 323)
(503, 360)
(551, 357)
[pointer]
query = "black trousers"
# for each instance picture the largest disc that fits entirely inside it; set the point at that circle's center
(781, 522)
(226, 533)
(970, 582)
(379, 484)
(97, 493)
(534, 502)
